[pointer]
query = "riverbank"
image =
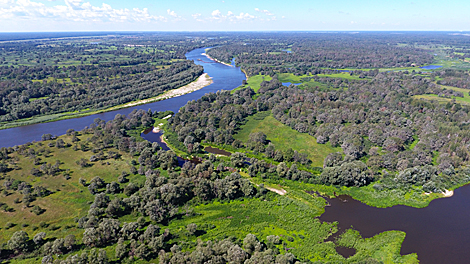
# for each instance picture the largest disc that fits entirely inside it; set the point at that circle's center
(216, 60)
(201, 82)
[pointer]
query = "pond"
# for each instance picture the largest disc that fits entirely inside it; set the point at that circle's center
(289, 83)
(431, 67)
(439, 233)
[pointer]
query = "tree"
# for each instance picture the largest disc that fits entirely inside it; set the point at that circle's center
(38, 239)
(121, 249)
(48, 259)
(60, 143)
(192, 228)
(69, 242)
(82, 181)
(18, 241)
(238, 159)
(113, 188)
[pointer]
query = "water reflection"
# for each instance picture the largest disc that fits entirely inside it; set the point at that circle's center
(439, 233)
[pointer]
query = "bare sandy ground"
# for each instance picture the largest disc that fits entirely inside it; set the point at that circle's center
(201, 82)
(216, 60)
(448, 193)
(280, 192)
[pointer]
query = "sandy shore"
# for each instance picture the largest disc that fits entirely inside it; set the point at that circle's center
(216, 60)
(280, 192)
(201, 82)
(448, 193)
(157, 128)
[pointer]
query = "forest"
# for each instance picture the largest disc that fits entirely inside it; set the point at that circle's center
(44, 78)
(320, 115)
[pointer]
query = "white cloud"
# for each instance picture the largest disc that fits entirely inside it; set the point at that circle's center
(245, 16)
(230, 16)
(216, 14)
(73, 10)
(264, 12)
(197, 17)
(171, 13)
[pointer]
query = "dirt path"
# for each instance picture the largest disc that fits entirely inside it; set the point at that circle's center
(280, 192)
(201, 82)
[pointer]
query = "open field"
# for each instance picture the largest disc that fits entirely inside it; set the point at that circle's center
(284, 137)
(465, 100)
(294, 222)
(254, 82)
(69, 199)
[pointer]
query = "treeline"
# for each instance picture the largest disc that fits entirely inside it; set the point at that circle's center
(155, 202)
(460, 79)
(298, 53)
(91, 93)
(385, 134)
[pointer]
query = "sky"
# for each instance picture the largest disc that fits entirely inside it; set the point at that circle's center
(233, 15)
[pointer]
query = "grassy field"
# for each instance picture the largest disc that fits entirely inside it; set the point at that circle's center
(284, 137)
(255, 81)
(295, 223)
(465, 100)
(289, 77)
(69, 198)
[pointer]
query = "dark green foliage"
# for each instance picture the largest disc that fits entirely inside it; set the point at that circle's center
(348, 174)
(37, 210)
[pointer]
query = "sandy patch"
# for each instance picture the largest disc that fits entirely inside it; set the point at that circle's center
(280, 192)
(216, 60)
(448, 193)
(201, 82)
(157, 128)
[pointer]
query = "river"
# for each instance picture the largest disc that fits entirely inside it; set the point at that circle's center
(224, 78)
(439, 233)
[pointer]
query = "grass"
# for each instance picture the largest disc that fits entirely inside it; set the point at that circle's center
(289, 77)
(294, 222)
(465, 100)
(69, 199)
(254, 82)
(384, 247)
(292, 217)
(343, 75)
(284, 137)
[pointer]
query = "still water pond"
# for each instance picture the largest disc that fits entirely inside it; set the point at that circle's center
(439, 233)
(431, 67)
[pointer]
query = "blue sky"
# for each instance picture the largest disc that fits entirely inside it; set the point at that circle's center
(232, 15)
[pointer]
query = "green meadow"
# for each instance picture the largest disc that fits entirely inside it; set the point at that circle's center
(465, 100)
(68, 200)
(284, 137)
(254, 82)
